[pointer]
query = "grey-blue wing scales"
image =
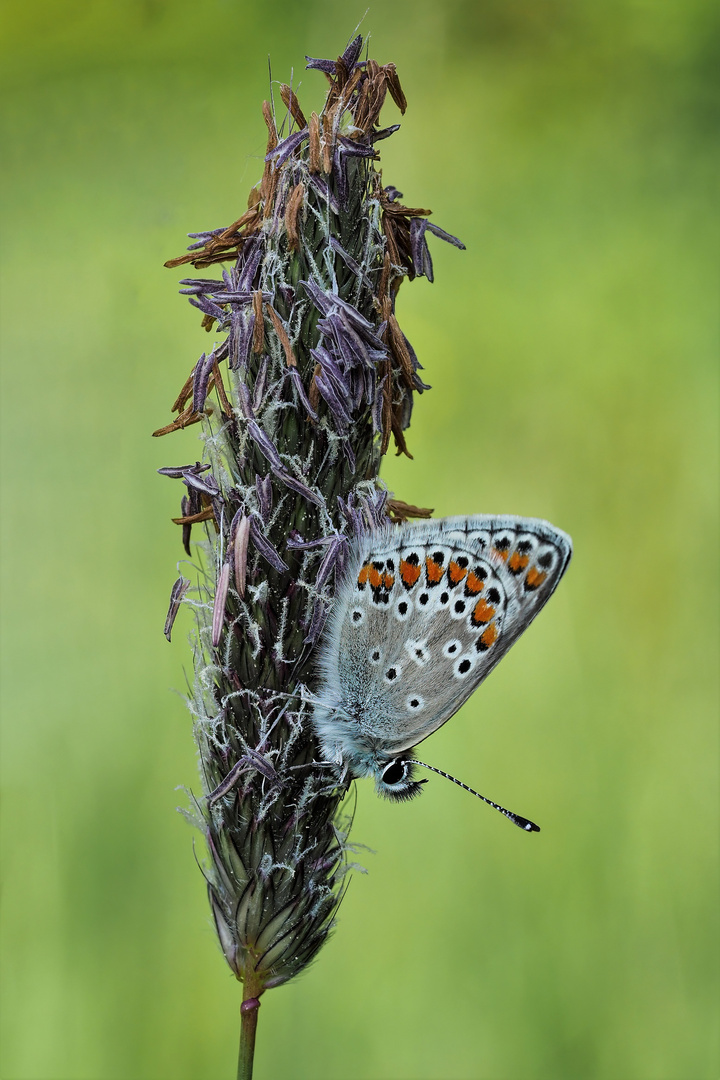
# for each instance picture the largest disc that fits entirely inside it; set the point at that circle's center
(425, 613)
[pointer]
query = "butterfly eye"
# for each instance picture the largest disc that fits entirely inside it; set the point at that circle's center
(395, 782)
(394, 773)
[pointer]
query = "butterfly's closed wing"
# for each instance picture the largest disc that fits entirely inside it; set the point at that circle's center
(424, 614)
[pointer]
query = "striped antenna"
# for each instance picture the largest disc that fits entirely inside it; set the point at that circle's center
(521, 822)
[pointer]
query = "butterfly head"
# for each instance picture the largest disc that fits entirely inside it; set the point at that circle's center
(394, 780)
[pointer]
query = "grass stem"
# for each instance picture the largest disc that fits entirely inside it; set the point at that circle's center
(248, 1027)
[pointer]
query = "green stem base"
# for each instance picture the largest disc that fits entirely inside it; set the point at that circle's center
(248, 1027)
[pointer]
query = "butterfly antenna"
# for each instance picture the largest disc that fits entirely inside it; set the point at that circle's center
(521, 822)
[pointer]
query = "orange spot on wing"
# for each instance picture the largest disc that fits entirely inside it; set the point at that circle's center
(388, 581)
(489, 636)
(518, 562)
(500, 554)
(455, 573)
(534, 578)
(374, 577)
(363, 575)
(474, 584)
(483, 613)
(409, 573)
(434, 571)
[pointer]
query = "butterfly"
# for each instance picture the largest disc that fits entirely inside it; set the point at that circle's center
(420, 618)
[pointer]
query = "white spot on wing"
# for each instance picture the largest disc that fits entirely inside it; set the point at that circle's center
(418, 652)
(403, 609)
(463, 666)
(459, 607)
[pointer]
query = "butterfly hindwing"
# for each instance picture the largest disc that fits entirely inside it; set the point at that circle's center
(424, 614)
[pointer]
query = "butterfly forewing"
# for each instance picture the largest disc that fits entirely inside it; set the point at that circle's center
(426, 613)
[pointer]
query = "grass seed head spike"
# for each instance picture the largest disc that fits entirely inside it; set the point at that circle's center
(318, 376)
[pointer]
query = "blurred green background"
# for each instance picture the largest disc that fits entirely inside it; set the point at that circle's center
(572, 350)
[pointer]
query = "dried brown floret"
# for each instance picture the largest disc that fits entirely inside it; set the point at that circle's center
(398, 510)
(282, 335)
(291, 102)
(292, 210)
